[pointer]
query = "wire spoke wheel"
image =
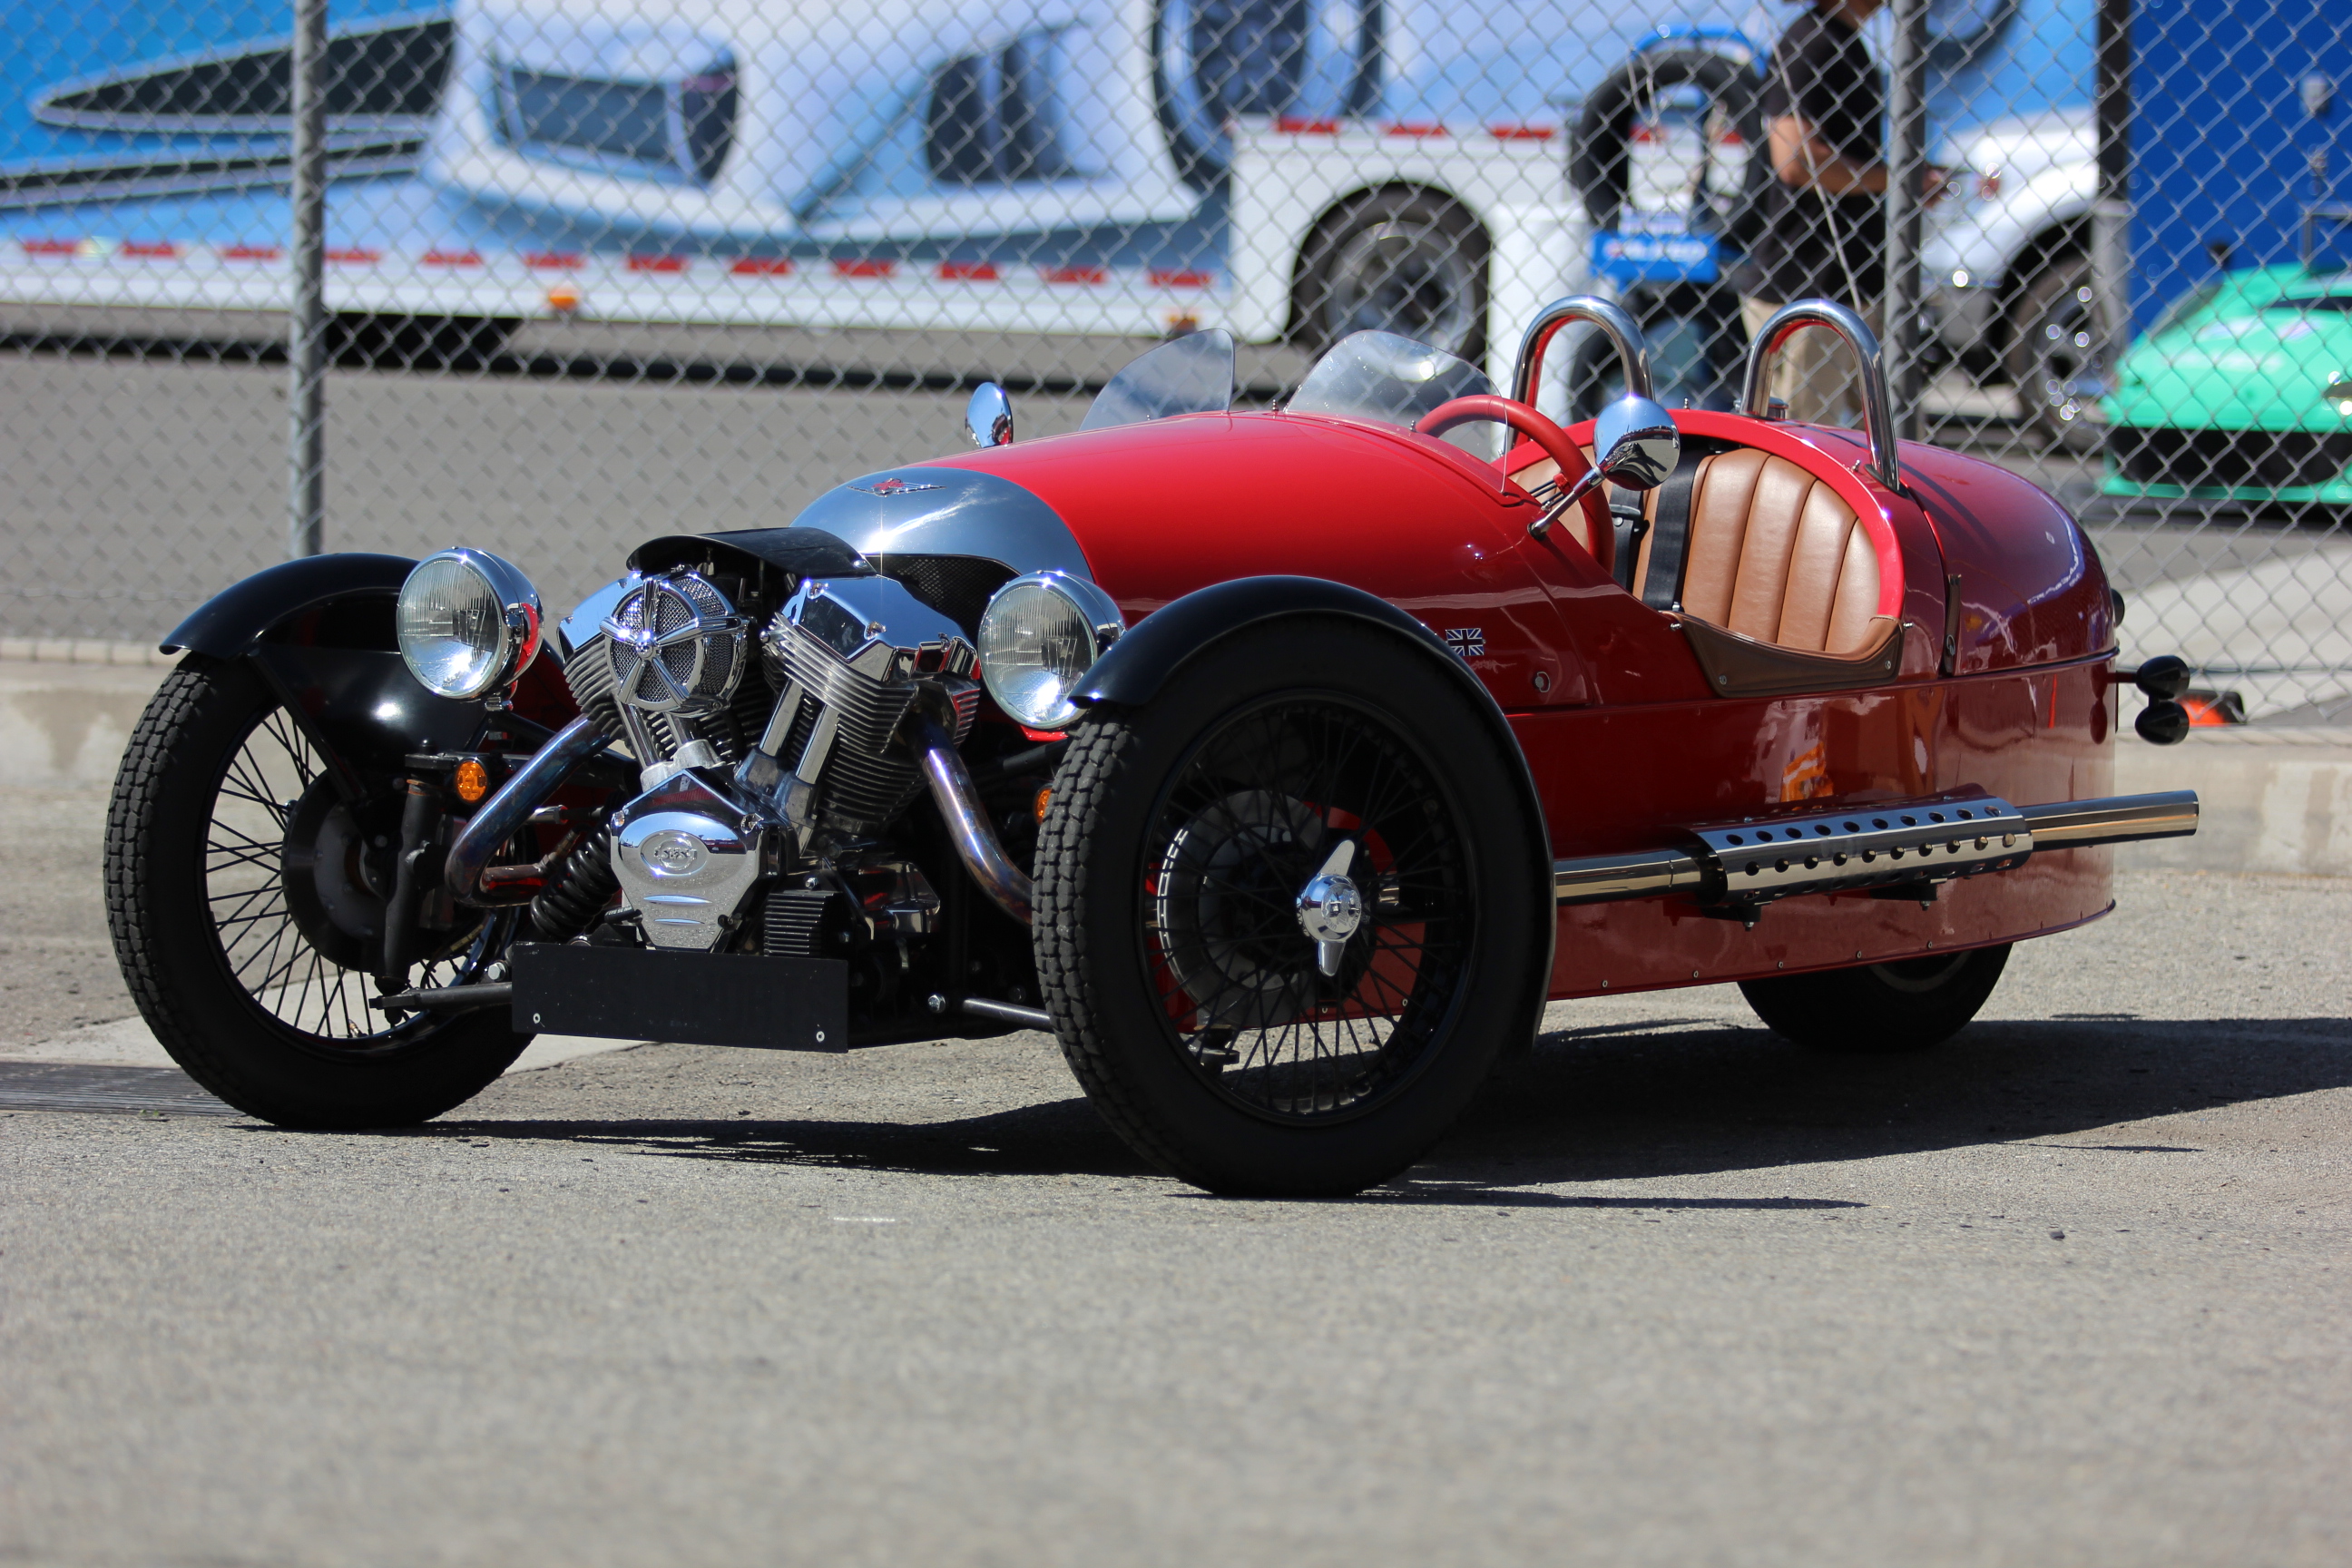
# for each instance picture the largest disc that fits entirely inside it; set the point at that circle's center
(295, 885)
(1291, 910)
(1263, 803)
(247, 887)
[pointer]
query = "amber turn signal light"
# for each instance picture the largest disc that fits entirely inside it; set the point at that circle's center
(1044, 799)
(473, 782)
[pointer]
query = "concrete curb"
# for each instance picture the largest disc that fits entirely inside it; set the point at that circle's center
(2273, 799)
(84, 650)
(2269, 800)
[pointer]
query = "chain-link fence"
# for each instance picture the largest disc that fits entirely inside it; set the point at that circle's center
(583, 270)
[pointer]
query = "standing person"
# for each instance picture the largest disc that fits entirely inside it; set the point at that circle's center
(1824, 234)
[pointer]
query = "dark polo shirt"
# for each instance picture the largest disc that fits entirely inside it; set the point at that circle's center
(1813, 244)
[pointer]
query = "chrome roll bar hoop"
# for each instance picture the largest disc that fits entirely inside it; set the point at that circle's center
(1624, 335)
(1877, 409)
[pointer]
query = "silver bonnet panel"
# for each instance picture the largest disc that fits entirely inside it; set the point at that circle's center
(947, 511)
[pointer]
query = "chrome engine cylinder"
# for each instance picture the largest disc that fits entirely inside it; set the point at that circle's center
(851, 657)
(670, 668)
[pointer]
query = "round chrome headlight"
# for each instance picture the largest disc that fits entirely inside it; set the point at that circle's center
(1038, 637)
(468, 622)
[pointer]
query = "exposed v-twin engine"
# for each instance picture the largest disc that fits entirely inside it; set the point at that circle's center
(762, 764)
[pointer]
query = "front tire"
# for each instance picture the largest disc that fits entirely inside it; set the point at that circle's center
(1204, 1022)
(1880, 1009)
(239, 889)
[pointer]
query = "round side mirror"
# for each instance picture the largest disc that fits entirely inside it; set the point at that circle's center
(987, 417)
(1637, 442)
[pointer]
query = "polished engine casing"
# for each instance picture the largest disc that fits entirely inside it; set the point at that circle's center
(850, 657)
(690, 854)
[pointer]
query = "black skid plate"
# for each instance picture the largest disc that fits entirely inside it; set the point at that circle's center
(688, 998)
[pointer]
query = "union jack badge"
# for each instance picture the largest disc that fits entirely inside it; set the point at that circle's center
(1467, 642)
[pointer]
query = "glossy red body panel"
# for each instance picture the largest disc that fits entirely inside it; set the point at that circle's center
(1626, 743)
(1173, 505)
(2031, 590)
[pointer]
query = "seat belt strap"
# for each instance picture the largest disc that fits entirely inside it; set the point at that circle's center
(1631, 526)
(1662, 589)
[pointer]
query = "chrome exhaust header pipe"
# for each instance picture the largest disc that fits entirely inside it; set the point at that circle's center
(975, 838)
(503, 814)
(1888, 844)
(1637, 874)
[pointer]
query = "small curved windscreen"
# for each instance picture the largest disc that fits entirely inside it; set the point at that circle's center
(1393, 380)
(1191, 374)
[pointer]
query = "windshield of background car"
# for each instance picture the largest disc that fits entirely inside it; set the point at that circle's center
(1393, 380)
(1193, 374)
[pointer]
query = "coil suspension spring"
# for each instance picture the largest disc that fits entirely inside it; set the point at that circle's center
(578, 892)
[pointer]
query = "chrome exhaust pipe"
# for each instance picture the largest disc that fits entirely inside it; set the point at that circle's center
(503, 814)
(2117, 819)
(1637, 874)
(959, 803)
(1882, 845)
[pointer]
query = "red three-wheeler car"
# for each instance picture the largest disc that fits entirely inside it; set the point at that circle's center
(1282, 763)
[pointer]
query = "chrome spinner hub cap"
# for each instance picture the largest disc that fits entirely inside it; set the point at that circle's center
(1331, 909)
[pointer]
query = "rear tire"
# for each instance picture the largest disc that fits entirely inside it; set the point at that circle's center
(1191, 1002)
(1880, 1009)
(260, 995)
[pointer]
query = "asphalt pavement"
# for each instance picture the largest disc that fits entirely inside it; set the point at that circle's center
(2070, 1289)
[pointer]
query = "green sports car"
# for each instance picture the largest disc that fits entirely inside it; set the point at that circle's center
(2240, 391)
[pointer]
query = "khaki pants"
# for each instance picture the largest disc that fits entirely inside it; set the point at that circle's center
(1814, 373)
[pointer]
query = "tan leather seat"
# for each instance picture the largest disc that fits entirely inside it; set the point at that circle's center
(1775, 555)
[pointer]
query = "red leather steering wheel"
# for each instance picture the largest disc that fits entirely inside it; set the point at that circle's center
(1599, 527)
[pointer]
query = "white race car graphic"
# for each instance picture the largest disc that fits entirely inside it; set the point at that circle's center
(889, 119)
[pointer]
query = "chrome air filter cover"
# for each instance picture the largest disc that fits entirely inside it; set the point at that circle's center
(676, 645)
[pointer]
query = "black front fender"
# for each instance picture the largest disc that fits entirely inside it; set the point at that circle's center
(1140, 662)
(233, 620)
(319, 630)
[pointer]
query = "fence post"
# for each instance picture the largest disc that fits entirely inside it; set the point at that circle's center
(1906, 161)
(305, 344)
(2111, 214)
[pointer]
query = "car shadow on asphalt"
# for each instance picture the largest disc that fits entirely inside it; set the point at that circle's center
(1613, 1106)
(1620, 1103)
(1060, 1137)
